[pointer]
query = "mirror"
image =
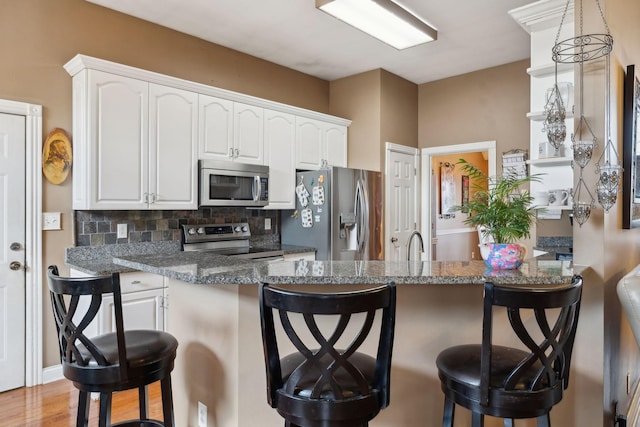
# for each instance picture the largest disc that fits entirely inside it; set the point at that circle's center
(631, 151)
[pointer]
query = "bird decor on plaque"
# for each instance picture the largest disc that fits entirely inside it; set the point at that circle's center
(578, 50)
(57, 156)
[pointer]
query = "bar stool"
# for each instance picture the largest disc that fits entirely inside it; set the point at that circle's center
(324, 384)
(116, 361)
(513, 383)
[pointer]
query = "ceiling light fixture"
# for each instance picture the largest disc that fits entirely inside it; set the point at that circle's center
(383, 19)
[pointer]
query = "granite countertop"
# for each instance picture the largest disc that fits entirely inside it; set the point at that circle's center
(98, 260)
(207, 268)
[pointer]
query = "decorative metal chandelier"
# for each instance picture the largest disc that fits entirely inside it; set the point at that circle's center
(578, 50)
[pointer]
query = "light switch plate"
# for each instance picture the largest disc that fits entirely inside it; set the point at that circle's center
(51, 221)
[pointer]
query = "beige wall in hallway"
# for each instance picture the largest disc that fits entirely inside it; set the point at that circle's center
(42, 35)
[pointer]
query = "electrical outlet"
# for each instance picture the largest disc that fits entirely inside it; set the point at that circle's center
(51, 221)
(122, 231)
(202, 415)
(267, 223)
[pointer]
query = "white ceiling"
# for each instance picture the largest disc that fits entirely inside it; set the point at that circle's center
(472, 35)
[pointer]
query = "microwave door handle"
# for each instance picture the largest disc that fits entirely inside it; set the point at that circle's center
(256, 191)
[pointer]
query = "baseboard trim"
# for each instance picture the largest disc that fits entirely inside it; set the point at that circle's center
(51, 374)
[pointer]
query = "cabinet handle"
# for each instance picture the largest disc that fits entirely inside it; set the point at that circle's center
(146, 197)
(231, 153)
(152, 198)
(237, 153)
(135, 282)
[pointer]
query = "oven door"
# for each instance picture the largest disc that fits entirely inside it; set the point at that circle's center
(223, 184)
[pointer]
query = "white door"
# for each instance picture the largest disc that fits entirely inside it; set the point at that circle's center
(279, 142)
(12, 252)
(402, 214)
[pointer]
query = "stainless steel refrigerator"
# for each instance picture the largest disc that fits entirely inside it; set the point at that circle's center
(339, 212)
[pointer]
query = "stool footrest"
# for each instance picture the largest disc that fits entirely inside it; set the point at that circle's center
(139, 423)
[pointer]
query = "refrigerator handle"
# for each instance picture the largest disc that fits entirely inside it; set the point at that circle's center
(361, 213)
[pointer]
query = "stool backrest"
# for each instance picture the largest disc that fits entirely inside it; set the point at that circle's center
(72, 319)
(342, 305)
(549, 342)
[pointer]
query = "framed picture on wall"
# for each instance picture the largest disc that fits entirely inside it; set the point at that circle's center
(631, 151)
(465, 194)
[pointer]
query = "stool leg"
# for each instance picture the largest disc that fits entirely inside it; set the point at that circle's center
(477, 420)
(167, 402)
(83, 409)
(544, 420)
(143, 402)
(104, 418)
(449, 412)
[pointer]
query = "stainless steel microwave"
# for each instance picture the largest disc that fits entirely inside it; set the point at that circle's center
(225, 183)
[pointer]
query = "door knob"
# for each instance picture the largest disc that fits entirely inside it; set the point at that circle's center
(15, 265)
(15, 246)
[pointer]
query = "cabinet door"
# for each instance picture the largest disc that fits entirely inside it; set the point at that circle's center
(248, 133)
(117, 126)
(172, 148)
(141, 310)
(215, 128)
(309, 143)
(335, 145)
(279, 142)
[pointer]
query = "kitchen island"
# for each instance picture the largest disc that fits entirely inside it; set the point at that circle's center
(214, 314)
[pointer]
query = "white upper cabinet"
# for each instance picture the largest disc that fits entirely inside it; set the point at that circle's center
(318, 142)
(111, 150)
(173, 166)
(138, 136)
(280, 132)
(230, 131)
(248, 133)
(134, 144)
(215, 136)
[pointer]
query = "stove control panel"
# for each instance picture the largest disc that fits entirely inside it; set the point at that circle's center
(215, 232)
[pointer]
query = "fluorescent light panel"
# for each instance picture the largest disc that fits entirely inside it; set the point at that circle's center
(383, 19)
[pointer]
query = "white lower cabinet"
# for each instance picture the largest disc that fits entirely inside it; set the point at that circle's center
(141, 310)
(299, 256)
(144, 304)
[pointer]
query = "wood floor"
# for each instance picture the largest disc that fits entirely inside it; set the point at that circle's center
(56, 404)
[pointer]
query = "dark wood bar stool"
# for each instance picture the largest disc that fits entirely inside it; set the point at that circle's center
(111, 362)
(514, 383)
(327, 382)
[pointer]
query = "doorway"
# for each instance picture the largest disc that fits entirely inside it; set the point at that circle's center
(402, 180)
(442, 244)
(21, 240)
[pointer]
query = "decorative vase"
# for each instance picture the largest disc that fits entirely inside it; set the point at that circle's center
(505, 256)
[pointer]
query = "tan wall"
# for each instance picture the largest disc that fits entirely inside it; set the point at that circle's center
(620, 248)
(358, 98)
(485, 105)
(40, 36)
(383, 107)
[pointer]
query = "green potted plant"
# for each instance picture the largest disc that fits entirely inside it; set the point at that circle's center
(502, 209)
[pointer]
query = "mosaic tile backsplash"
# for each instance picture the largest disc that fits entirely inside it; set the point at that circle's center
(93, 228)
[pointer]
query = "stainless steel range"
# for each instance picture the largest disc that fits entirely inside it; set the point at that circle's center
(226, 239)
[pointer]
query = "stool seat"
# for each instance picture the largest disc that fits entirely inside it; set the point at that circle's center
(524, 381)
(326, 385)
(111, 362)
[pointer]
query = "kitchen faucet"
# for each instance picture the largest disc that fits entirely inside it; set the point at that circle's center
(414, 234)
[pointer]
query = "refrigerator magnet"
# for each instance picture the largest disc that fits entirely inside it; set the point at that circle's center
(303, 194)
(318, 195)
(307, 218)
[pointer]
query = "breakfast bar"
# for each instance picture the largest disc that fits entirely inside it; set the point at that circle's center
(214, 314)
